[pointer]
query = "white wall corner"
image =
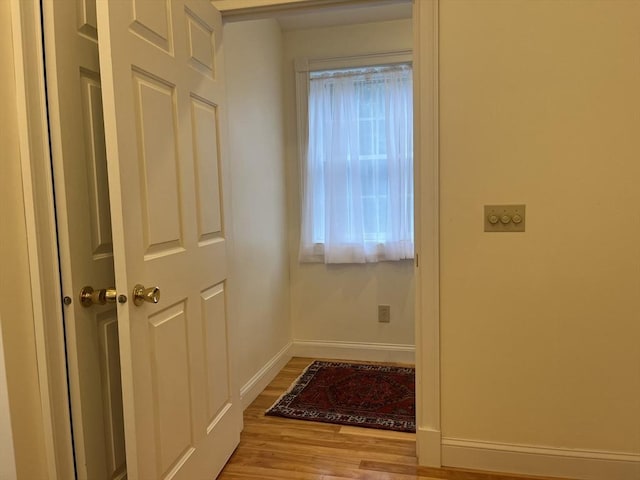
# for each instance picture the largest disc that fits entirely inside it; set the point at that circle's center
(542, 461)
(250, 390)
(366, 352)
(428, 447)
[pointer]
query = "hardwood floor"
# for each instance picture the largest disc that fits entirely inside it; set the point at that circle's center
(273, 448)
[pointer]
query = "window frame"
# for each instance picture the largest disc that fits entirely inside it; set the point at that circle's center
(304, 66)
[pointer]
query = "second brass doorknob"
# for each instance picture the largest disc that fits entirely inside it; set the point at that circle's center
(89, 296)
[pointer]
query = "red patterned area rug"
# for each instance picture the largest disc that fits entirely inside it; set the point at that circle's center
(374, 396)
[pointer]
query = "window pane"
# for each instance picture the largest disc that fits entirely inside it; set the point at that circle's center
(364, 100)
(381, 144)
(366, 139)
(367, 169)
(382, 216)
(382, 180)
(370, 207)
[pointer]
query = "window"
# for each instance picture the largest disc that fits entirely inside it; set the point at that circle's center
(358, 166)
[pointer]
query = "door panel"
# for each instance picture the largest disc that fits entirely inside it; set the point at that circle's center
(205, 141)
(151, 22)
(171, 385)
(156, 118)
(86, 18)
(84, 235)
(97, 182)
(200, 39)
(164, 103)
(111, 392)
(215, 345)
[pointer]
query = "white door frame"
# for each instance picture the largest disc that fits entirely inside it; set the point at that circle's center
(42, 242)
(427, 230)
(37, 184)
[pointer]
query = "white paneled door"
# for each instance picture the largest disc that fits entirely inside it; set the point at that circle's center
(84, 236)
(163, 96)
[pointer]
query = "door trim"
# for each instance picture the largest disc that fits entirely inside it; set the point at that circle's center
(260, 9)
(427, 231)
(37, 185)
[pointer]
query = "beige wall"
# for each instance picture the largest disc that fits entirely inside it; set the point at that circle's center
(260, 291)
(15, 291)
(540, 104)
(339, 302)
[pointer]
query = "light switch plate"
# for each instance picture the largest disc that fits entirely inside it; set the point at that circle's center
(504, 218)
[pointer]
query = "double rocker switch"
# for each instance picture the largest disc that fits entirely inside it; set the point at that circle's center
(504, 218)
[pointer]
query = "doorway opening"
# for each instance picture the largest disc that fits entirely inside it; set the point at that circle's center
(320, 311)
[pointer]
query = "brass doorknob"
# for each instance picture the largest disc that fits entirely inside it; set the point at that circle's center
(141, 295)
(89, 296)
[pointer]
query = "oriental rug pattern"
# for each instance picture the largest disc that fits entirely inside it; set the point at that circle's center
(361, 395)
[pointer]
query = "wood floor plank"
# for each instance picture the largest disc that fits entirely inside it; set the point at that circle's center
(375, 432)
(292, 446)
(274, 448)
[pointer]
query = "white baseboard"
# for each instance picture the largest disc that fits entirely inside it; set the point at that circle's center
(368, 352)
(429, 447)
(260, 380)
(543, 461)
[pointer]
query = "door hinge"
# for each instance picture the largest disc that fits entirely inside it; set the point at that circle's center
(417, 260)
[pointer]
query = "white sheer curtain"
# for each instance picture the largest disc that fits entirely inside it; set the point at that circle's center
(357, 186)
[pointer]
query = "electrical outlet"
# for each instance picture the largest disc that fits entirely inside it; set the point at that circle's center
(384, 313)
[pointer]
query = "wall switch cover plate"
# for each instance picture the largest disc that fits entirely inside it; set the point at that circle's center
(504, 218)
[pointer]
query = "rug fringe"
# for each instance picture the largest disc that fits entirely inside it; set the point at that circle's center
(291, 387)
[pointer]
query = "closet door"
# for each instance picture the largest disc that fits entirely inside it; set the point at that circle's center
(84, 236)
